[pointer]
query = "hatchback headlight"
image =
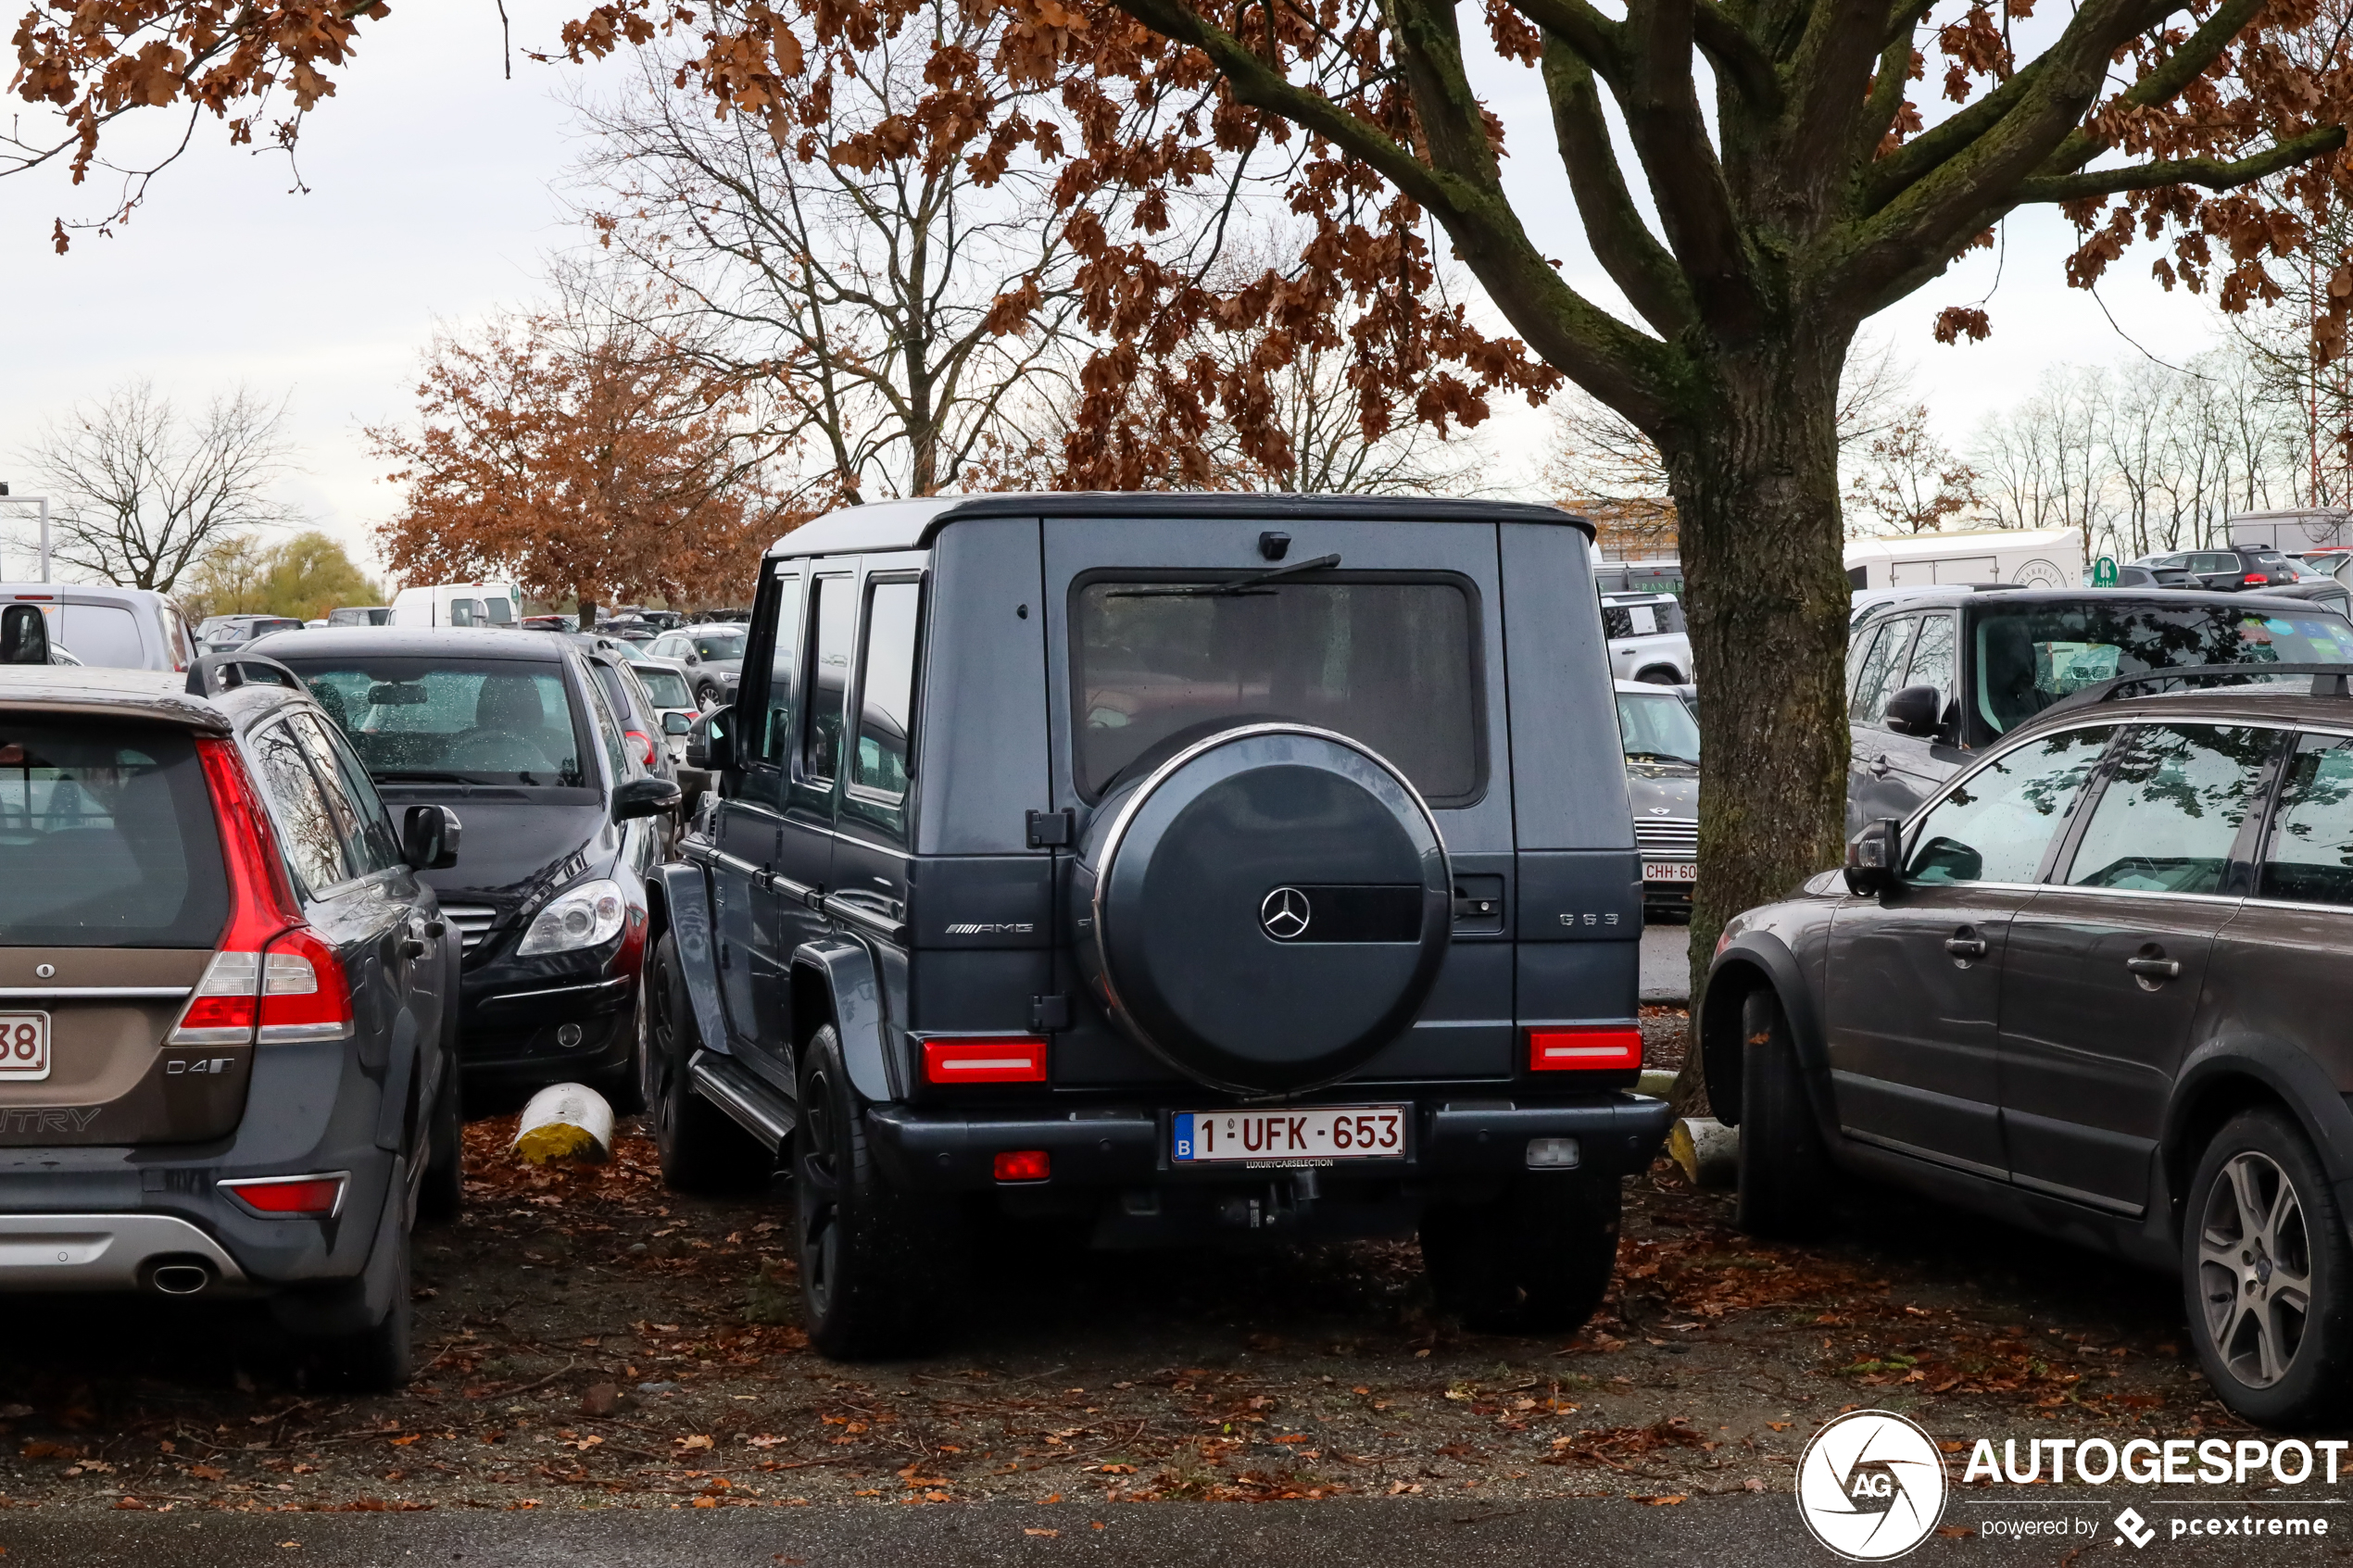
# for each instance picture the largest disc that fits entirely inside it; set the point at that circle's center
(585, 916)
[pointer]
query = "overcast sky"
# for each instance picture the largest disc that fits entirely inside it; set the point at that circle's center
(429, 200)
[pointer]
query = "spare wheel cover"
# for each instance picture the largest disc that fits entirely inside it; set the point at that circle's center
(1266, 909)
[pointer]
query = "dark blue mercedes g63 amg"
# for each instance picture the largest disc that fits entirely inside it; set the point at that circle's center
(1192, 866)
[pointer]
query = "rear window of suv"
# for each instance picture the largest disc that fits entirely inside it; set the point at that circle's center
(487, 720)
(1391, 664)
(106, 838)
(2030, 656)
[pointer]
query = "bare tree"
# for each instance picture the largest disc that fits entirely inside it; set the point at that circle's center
(147, 494)
(908, 296)
(1910, 481)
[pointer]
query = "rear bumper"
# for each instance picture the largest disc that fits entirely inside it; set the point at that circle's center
(1128, 1146)
(102, 1251)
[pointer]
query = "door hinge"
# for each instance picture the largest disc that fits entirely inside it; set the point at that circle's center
(1053, 830)
(1049, 1015)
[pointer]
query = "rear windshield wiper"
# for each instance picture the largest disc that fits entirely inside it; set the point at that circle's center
(1662, 757)
(404, 776)
(1223, 590)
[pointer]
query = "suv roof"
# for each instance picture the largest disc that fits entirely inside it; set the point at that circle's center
(139, 694)
(2171, 598)
(472, 642)
(909, 525)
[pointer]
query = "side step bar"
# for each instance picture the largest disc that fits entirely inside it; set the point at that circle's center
(751, 1104)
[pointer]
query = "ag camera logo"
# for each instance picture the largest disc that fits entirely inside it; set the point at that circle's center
(1871, 1486)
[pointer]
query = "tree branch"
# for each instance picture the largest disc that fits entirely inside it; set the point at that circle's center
(2161, 85)
(1609, 359)
(1661, 106)
(1636, 262)
(1581, 28)
(1736, 58)
(2212, 174)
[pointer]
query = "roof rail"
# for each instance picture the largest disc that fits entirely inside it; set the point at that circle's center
(216, 673)
(2328, 679)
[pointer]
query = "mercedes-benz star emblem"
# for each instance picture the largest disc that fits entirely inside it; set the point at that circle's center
(1284, 913)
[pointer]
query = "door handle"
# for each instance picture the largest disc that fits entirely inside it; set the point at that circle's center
(1964, 945)
(2149, 968)
(1880, 766)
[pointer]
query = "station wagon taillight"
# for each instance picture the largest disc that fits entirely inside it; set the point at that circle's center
(272, 974)
(2255, 579)
(1585, 1049)
(645, 743)
(985, 1061)
(290, 1197)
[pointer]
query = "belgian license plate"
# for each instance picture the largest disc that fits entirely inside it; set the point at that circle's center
(24, 1045)
(1313, 1135)
(1669, 871)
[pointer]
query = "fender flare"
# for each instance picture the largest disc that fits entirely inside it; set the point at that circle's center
(2290, 1075)
(846, 969)
(686, 898)
(1716, 1031)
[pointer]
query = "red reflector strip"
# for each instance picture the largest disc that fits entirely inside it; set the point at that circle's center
(1024, 1165)
(983, 1061)
(290, 1196)
(1606, 1047)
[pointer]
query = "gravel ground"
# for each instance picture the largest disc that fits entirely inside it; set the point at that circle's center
(590, 1340)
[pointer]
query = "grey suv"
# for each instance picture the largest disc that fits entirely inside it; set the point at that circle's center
(1935, 678)
(227, 1043)
(1185, 868)
(2092, 987)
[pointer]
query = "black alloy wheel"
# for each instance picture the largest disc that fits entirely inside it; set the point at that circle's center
(702, 1149)
(1783, 1168)
(2266, 1273)
(875, 1263)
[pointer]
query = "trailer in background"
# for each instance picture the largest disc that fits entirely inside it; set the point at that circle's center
(2026, 558)
(2292, 533)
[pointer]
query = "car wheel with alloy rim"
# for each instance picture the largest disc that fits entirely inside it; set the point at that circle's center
(875, 1263)
(2266, 1272)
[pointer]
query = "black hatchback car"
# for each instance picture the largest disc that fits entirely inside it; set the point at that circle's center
(226, 1036)
(510, 731)
(1935, 679)
(2096, 987)
(1178, 868)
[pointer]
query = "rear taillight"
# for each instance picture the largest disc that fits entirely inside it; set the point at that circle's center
(645, 743)
(985, 1061)
(271, 974)
(1024, 1165)
(1591, 1047)
(2255, 579)
(288, 1198)
(303, 994)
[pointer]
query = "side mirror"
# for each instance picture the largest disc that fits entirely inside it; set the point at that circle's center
(24, 636)
(675, 723)
(708, 746)
(1914, 711)
(429, 837)
(693, 659)
(1872, 857)
(643, 798)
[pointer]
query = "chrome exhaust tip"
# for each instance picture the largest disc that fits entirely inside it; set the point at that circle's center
(179, 1279)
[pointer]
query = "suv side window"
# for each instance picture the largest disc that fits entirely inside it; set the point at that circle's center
(1932, 657)
(832, 635)
(2175, 797)
(608, 732)
(1886, 657)
(1995, 825)
(783, 672)
(879, 766)
(369, 844)
(2307, 857)
(306, 826)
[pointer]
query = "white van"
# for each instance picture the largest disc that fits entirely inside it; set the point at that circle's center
(109, 628)
(2029, 557)
(457, 604)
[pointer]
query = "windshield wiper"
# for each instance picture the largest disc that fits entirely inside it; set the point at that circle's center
(406, 776)
(1662, 757)
(1223, 590)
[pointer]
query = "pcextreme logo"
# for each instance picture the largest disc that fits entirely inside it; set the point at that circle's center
(1871, 1486)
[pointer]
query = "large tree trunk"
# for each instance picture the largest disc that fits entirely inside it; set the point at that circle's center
(1754, 466)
